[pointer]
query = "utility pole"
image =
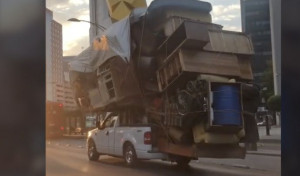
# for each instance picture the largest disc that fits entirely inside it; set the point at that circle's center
(267, 125)
(275, 19)
(264, 102)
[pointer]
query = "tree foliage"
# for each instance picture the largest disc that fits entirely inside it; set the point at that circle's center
(268, 81)
(274, 103)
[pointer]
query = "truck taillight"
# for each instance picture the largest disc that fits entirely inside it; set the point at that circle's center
(147, 137)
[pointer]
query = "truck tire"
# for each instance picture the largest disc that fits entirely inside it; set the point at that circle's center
(93, 155)
(182, 161)
(129, 155)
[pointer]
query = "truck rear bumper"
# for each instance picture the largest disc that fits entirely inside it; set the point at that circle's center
(203, 150)
(150, 155)
(221, 151)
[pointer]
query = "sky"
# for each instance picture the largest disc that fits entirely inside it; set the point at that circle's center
(76, 35)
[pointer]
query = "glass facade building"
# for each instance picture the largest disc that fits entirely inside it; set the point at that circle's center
(256, 23)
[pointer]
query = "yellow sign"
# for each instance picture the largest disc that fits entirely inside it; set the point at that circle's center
(101, 43)
(119, 9)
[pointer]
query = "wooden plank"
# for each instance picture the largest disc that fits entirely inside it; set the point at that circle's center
(213, 63)
(171, 71)
(210, 63)
(229, 42)
(190, 34)
(245, 68)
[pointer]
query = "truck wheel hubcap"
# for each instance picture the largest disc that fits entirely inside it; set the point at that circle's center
(129, 156)
(91, 150)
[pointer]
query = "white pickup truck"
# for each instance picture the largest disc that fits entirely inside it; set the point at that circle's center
(122, 137)
(128, 134)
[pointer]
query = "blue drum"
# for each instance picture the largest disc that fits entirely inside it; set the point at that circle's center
(227, 105)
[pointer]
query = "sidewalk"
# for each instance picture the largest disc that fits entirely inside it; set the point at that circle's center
(265, 152)
(75, 136)
(275, 135)
(274, 140)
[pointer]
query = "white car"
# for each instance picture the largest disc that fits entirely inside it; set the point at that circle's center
(128, 138)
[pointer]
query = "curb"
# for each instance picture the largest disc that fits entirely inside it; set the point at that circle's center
(264, 154)
(274, 141)
(74, 137)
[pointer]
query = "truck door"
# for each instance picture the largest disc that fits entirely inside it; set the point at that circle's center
(111, 135)
(103, 134)
(102, 141)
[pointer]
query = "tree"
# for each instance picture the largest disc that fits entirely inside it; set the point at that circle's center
(274, 103)
(268, 81)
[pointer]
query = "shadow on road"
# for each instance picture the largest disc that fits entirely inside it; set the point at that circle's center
(155, 167)
(73, 161)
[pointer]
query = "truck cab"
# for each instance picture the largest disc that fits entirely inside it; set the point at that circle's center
(123, 135)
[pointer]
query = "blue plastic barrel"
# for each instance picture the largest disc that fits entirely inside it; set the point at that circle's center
(226, 105)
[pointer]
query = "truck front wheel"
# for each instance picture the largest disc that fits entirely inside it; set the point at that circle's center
(129, 155)
(93, 155)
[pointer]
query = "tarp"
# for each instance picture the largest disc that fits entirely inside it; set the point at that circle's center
(115, 41)
(115, 84)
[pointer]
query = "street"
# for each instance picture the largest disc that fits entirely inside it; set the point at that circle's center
(68, 157)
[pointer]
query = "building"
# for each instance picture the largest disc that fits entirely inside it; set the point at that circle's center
(73, 115)
(256, 23)
(54, 70)
(57, 71)
(69, 101)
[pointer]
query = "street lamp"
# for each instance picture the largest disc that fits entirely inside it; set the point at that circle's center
(97, 25)
(264, 101)
(102, 28)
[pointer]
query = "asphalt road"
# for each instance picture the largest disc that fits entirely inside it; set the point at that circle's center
(68, 158)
